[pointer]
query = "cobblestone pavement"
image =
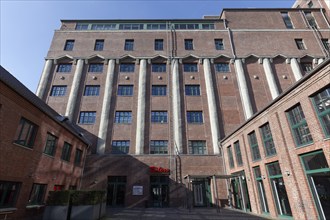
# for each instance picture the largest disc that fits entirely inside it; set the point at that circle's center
(175, 214)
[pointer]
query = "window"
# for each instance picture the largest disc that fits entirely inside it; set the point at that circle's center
(190, 67)
(299, 127)
(300, 44)
(120, 147)
(310, 18)
(58, 91)
(123, 117)
(99, 44)
(188, 44)
(64, 67)
(158, 67)
(126, 67)
(81, 26)
(103, 27)
(66, 152)
(95, 68)
(158, 147)
(307, 67)
(222, 67)
(254, 146)
(219, 44)
(239, 159)
(130, 26)
(50, 147)
(159, 44)
(158, 90)
(159, 116)
(125, 90)
(310, 4)
(156, 26)
(26, 133)
(287, 20)
(231, 157)
(129, 44)
(267, 139)
(69, 45)
(321, 103)
(91, 90)
(326, 44)
(197, 147)
(261, 190)
(8, 193)
(37, 194)
(78, 157)
(192, 90)
(87, 117)
(195, 117)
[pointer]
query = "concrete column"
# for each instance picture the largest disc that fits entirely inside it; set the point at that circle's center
(296, 69)
(214, 122)
(104, 121)
(177, 120)
(45, 77)
(140, 121)
(319, 61)
(270, 78)
(71, 106)
(243, 89)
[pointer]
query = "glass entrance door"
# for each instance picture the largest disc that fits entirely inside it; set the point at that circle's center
(199, 190)
(159, 191)
(116, 191)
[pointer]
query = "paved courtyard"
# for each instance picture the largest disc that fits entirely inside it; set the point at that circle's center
(175, 214)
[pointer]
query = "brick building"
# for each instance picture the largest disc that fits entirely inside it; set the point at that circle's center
(41, 151)
(155, 97)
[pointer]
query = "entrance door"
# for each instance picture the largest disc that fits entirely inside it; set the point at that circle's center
(159, 191)
(198, 192)
(281, 196)
(116, 191)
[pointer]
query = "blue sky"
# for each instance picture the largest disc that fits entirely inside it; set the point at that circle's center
(27, 27)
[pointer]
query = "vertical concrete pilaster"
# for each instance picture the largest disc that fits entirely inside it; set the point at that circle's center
(214, 122)
(295, 69)
(44, 80)
(270, 78)
(140, 121)
(106, 104)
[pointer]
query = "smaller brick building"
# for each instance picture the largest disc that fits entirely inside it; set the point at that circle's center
(280, 157)
(40, 151)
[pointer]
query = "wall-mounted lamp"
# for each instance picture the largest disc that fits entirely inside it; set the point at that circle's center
(287, 173)
(263, 176)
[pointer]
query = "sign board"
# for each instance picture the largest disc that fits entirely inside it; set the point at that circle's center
(159, 170)
(137, 190)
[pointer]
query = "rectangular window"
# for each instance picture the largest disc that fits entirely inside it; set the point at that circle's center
(81, 26)
(255, 153)
(231, 157)
(307, 67)
(158, 67)
(50, 147)
(123, 117)
(64, 67)
(125, 90)
(159, 117)
(300, 44)
(222, 67)
(99, 44)
(192, 90)
(37, 194)
(26, 133)
(69, 45)
(158, 90)
(126, 67)
(310, 18)
(66, 152)
(95, 68)
(120, 147)
(326, 44)
(87, 117)
(159, 44)
(321, 103)
(92, 90)
(267, 139)
(58, 91)
(190, 67)
(8, 193)
(78, 157)
(299, 127)
(129, 44)
(188, 44)
(261, 190)
(158, 147)
(197, 147)
(239, 159)
(219, 44)
(287, 20)
(195, 117)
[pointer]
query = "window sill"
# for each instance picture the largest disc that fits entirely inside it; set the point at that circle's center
(34, 206)
(22, 146)
(7, 210)
(305, 145)
(47, 155)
